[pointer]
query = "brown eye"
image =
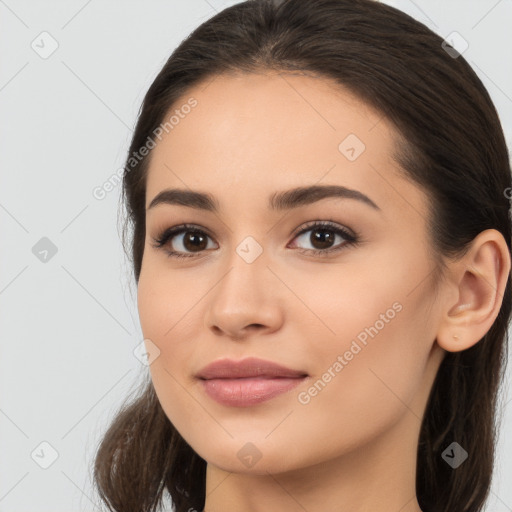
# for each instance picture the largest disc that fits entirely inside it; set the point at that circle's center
(194, 241)
(322, 237)
(188, 240)
(183, 241)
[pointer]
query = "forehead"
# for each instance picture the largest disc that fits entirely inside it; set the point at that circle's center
(251, 134)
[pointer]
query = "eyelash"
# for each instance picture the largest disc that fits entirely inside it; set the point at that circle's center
(350, 240)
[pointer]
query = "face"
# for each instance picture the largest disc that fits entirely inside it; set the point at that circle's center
(337, 287)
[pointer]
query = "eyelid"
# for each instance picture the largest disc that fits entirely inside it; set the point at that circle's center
(323, 223)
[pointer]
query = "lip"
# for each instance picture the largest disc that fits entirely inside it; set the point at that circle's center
(247, 382)
(249, 367)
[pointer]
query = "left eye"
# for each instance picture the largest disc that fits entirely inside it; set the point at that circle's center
(323, 235)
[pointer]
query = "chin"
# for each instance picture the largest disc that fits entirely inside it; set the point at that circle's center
(247, 458)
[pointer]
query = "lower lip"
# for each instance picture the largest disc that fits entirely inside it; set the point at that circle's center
(248, 391)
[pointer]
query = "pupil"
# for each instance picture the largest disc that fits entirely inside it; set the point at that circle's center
(192, 238)
(324, 240)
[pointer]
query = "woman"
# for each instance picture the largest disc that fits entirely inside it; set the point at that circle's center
(322, 245)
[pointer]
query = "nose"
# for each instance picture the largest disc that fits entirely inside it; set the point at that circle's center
(244, 300)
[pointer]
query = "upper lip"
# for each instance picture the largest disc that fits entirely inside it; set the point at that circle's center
(249, 367)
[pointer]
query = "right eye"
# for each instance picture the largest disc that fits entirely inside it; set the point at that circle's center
(194, 238)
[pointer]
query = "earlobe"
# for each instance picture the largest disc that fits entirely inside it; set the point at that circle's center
(477, 281)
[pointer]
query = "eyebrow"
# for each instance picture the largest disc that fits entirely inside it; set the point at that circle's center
(278, 201)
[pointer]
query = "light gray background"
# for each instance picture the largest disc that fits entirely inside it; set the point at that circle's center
(69, 325)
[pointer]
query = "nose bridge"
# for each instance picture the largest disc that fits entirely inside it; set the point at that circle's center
(250, 249)
(244, 296)
(247, 267)
(248, 238)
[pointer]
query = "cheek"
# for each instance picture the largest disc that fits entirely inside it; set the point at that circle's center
(165, 299)
(374, 340)
(167, 313)
(360, 388)
(344, 308)
(385, 300)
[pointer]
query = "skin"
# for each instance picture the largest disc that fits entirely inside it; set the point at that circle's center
(353, 446)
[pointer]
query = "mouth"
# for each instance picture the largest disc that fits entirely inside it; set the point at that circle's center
(248, 391)
(247, 382)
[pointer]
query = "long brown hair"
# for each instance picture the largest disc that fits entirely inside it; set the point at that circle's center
(452, 146)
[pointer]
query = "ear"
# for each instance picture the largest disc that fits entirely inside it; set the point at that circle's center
(475, 287)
